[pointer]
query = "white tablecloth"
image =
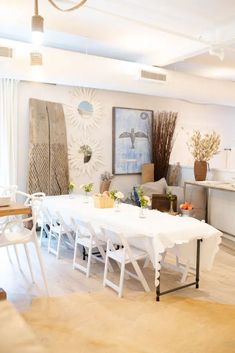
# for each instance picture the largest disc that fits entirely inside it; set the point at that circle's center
(159, 230)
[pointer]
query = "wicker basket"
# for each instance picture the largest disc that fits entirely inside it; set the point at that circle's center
(103, 202)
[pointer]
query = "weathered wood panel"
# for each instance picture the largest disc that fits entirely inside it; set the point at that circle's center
(48, 155)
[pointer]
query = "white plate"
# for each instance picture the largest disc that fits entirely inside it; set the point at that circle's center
(5, 201)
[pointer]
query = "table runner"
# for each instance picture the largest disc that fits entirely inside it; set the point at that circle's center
(158, 230)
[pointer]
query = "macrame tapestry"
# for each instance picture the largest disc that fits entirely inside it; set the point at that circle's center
(48, 155)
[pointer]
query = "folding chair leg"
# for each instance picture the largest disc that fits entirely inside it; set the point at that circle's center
(141, 276)
(8, 254)
(121, 282)
(49, 241)
(41, 266)
(58, 247)
(41, 236)
(75, 254)
(185, 273)
(29, 262)
(106, 264)
(89, 262)
(17, 257)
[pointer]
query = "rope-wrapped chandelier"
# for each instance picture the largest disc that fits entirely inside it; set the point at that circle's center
(75, 7)
(38, 28)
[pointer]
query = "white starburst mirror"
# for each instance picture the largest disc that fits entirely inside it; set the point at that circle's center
(85, 155)
(85, 111)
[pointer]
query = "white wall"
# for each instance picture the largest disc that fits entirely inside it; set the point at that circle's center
(191, 116)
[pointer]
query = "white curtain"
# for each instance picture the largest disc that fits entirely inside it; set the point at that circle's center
(8, 131)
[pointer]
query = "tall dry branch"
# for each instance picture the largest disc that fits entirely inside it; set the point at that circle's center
(163, 132)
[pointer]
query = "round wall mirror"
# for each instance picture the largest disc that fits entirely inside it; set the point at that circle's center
(85, 109)
(87, 153)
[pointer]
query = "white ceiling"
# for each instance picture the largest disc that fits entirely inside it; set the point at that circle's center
(178, 33)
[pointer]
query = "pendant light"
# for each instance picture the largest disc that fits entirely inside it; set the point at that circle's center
(37, 26)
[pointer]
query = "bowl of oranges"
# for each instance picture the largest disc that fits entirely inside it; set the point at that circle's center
(186, 209)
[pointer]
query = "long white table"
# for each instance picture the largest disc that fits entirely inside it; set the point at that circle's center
(158, 231)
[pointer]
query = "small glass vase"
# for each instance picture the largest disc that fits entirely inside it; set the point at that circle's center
(117, 205)
(171, 210)
(86, 198)
(142, 213)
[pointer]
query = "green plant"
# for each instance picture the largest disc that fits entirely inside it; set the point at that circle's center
(144, 200)
(87, 187)
(170, 196)
(72, 186)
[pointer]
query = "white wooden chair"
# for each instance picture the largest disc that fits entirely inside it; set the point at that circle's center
(15, 233)
(124, 255)
(86, 237)
(9, 190)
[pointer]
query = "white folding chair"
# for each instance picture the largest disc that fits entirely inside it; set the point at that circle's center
(87, 238)
(15, 233)
(60, 231)
(45, 223)
(124, 255)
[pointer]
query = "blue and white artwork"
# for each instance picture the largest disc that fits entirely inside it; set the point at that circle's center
(132, 144)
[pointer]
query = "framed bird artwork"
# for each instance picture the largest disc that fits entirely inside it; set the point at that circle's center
(132, 139)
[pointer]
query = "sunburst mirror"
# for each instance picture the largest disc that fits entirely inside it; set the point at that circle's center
(85, 111)
(85, 156)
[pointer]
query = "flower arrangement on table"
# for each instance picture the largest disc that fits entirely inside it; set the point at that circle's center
(106, 179)
(171, 197)
(117, 196)
(86, 188)
(144, 199)
(203, 148)
(71, 186)
(186, 208)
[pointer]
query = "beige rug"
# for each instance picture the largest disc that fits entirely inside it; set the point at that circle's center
(100, 322)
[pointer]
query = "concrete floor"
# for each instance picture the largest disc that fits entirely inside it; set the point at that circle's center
(217, 285)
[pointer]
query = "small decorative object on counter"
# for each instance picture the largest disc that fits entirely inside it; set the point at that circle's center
(203, 148)
(106, 179)
(117, 196)
(171, 198)
(86, 188)
(71, 187)
(144, 202)
(186, 209)
(103, 200)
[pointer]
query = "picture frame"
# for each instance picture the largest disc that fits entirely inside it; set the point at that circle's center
(132, 139)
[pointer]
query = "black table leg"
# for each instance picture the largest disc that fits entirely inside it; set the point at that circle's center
(158, 292)
(196, 282)
(83, 253)
(198, 262)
